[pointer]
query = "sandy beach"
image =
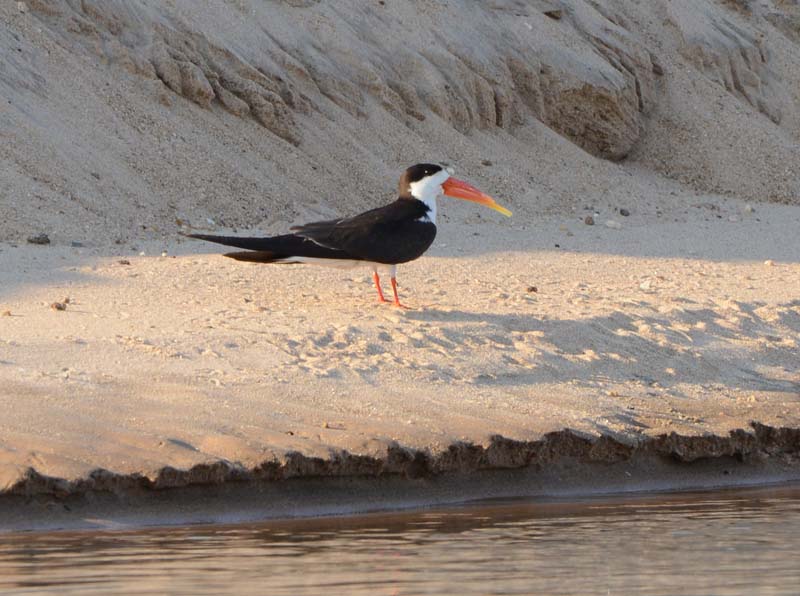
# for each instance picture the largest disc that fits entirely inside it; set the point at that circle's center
(181, 360)
(635, 325)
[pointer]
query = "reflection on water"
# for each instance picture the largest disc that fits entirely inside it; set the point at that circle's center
(745, 542)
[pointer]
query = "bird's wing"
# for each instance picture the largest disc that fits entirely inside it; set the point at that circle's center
(356, 235)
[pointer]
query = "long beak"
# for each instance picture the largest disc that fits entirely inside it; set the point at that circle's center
(459, 189)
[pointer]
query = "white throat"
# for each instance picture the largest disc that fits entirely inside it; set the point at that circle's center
(427, 190)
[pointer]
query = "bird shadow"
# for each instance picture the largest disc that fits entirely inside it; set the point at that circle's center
(657, 352)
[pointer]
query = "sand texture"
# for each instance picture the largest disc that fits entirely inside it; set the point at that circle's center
(645, 295)
(186, 359)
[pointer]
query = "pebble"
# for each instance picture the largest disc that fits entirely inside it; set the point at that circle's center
(39, 239)
(749, 208)
(58, 306)
(532, 289)
(76, 244)
(614, 225)
(769, 263)
(6, 313)
(624, 212)
(124, 262)
(589, 220)
(22, 7)
(645, 285)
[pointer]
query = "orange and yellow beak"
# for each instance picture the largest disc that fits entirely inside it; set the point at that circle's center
(461, 190)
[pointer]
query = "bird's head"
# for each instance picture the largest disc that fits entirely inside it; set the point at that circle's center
(426, 181)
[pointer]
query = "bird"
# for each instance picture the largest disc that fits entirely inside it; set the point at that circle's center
(380, 238)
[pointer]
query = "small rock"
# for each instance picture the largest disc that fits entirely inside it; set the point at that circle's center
(76, 244)
(769, 263)
(532, 289)
(6, 313)
(163, 253)
(39, 239)
(624, 212)
(124, 262)
(58, 306)
(66, 300)
(554, 13)
(486, 162)
(645, 285)
(95, 175)
(22, 7)
(614, 225)
(749, 208)
(589, 220)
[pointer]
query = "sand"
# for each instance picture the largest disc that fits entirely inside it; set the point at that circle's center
(170, 366)
(184, 357)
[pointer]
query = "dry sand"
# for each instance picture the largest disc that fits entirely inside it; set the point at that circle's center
(245, 117)
(687, 326)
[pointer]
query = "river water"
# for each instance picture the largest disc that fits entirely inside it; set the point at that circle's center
(731, 542)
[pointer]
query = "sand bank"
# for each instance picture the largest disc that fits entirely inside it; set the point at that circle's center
(644, 295)
(652, 341)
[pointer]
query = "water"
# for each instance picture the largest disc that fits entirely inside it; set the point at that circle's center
(745, 542)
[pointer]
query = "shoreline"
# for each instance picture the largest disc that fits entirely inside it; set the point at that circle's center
(563, 465)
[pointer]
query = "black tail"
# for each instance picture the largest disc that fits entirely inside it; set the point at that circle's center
(276, 248)
(267, 244)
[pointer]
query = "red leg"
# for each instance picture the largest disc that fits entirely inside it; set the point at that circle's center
(377, 281)
(396, 297)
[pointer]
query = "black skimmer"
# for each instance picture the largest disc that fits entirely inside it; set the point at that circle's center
(381, 238)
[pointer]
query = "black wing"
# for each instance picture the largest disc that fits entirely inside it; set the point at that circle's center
(395, 233)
